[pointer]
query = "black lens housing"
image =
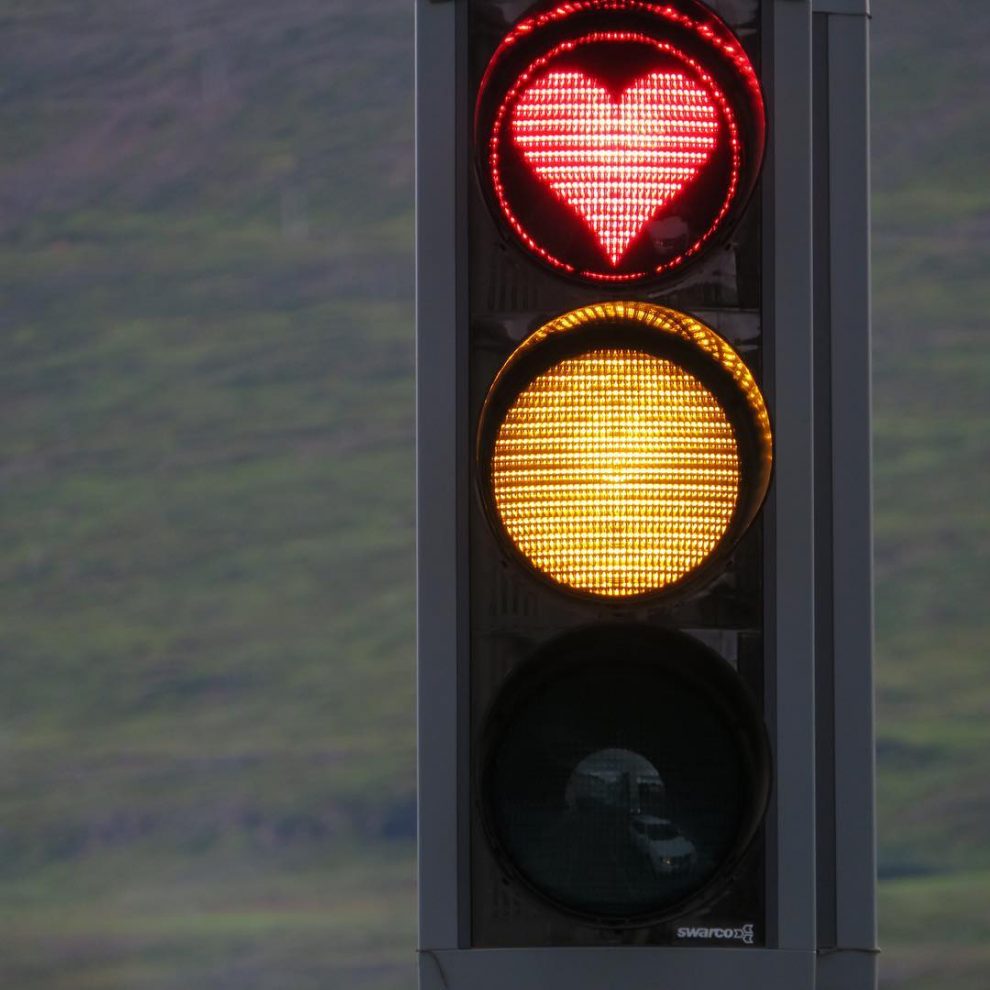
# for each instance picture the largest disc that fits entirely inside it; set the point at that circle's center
(535, 735)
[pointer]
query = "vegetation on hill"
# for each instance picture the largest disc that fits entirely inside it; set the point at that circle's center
(931, 371)
(207, 514)
(207, 518)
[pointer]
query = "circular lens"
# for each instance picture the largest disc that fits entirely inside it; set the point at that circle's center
(640, 454)
(617, 138)
(624, 448)
(626, 769)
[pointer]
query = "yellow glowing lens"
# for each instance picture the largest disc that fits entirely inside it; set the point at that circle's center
(617, 471)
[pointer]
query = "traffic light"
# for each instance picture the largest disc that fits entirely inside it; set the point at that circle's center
(643, 495)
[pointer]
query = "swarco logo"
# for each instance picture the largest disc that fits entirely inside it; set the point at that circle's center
(742, 934)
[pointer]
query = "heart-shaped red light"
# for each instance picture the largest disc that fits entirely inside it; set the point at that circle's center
(616, 163)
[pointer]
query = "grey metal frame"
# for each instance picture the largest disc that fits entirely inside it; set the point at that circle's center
(788, 304)
(792, 957)
(848, 957)
(440, 475)
(860, 8)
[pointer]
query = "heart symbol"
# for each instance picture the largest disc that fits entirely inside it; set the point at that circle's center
(616, 162)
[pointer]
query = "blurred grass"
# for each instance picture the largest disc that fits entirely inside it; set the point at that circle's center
(941, 930)
(207, 514)
(243, 917)
(206, 522)
(932, 454)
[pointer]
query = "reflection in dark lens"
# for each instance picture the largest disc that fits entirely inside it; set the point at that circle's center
(618, 785)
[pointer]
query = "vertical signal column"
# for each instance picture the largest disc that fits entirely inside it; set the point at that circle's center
(621, 453)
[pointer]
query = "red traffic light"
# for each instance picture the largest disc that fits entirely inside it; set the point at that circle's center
(618, 139)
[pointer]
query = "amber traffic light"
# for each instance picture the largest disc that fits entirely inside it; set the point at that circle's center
(624, 448)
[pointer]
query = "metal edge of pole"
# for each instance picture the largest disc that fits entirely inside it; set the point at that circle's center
(564, 968)
(439, 458)
(849, 289)
(791, 318)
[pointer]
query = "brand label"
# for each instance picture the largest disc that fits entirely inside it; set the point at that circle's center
(744, 934)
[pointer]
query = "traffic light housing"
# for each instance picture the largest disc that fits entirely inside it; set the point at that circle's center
(633, 495)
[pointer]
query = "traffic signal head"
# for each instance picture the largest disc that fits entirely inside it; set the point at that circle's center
(620, 457)
(623, 451)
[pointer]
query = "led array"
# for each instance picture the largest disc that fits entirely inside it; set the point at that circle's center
(721, 41)
(616, 472)
(616, 163)
(652, 163)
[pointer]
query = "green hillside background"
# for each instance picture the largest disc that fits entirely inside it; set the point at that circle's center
(206, 527)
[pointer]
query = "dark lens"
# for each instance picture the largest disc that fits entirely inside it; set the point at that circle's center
(630, 768)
